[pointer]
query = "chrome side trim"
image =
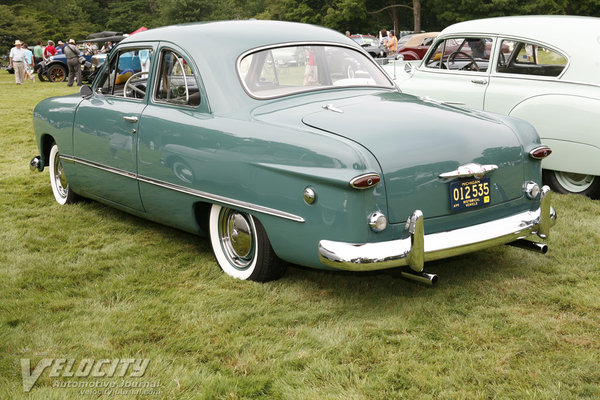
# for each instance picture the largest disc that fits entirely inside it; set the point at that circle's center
(419, 248)
(223, 200)
(183, 189)
(102, 167)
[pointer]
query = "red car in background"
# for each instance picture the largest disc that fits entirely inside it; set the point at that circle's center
(417, 45)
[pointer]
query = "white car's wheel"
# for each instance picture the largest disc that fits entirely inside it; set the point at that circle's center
(241, 246)
(566, 182)
(60, 187)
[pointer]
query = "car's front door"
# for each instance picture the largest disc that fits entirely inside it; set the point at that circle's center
(106, 128)
(455, 71)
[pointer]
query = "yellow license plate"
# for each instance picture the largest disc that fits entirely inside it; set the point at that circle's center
(469, 194)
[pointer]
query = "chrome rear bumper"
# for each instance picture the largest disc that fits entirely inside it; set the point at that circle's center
(418, 248)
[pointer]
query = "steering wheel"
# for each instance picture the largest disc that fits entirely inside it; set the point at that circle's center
(471, 65)
(134, 88)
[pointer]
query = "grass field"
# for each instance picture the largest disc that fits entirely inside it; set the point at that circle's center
(89, 282)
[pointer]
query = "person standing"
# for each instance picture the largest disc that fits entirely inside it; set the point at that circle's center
(71, 51)
(49, 50)
(17, 62)
(29, 63)
(392, 43)
(38, 52)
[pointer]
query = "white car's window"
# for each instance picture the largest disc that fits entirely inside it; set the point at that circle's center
(529, 59)
(286, 70)
(464, 54)
(176, 81)
(127, 74)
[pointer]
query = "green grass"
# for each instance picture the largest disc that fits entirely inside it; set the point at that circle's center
(87, 281)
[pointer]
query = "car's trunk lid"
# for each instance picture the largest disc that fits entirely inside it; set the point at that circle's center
(414, 142)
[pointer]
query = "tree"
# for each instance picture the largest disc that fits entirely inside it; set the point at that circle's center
(393, 9)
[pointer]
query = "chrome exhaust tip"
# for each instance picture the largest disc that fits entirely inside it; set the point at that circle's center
(529, 245)
(422, 277)
(36, 164)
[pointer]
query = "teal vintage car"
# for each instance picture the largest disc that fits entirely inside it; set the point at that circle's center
(289, 162)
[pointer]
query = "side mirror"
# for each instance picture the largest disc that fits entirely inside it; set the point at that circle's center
(408, 68)
(86, 91)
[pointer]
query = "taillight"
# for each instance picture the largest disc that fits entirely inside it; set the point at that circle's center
(365, 181)
(540, 152)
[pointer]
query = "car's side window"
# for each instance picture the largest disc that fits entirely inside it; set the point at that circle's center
(529, 59)
(176, 81)
(127, 74)
(464, 54)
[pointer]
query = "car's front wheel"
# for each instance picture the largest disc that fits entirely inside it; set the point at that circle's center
(241, 246)
(58, 180)
(56, 73)
(567, 182)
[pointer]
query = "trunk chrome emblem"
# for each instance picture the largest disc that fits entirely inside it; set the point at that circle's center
(468, 170)
(333, 108)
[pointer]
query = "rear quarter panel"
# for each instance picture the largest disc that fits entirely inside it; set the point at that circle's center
(570, 125)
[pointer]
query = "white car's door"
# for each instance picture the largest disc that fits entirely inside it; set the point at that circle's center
(455, 71)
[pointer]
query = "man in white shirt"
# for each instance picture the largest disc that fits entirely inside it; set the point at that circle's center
(17, 61)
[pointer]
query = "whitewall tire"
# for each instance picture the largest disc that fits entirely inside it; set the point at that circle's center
(241, 246)
(58, 180)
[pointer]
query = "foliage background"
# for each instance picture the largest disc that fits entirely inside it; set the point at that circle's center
(35, 20)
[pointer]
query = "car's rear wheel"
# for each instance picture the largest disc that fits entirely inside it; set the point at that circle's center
(56, 73)
(241, 246)
(568, 182)
(58, 180)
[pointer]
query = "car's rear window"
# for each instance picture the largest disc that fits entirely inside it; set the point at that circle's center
(282, 71)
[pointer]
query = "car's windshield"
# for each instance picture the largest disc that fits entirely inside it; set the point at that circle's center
(283, 71)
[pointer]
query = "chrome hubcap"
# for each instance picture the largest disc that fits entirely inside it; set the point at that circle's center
(236, 231)
(574, 182)
(59, 177)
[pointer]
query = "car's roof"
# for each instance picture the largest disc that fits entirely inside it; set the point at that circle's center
(575, 36)
(216, 46)
(238, 36)
(557, 30)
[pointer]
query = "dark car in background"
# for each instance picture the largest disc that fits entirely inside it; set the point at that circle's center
(56, 69)
(371, 44)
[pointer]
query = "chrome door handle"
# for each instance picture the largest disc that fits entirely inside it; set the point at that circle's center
(479, 81)
(131, 119)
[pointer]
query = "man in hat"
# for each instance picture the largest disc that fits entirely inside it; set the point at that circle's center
(72, 52)
(17, 61)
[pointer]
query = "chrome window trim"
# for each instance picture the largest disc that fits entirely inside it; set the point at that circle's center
(501, 38)
(423, 64)
(156, 81)
(182, 189)
(312, 88)
(109, 58)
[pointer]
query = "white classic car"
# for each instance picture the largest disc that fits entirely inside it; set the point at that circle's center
(543, 69)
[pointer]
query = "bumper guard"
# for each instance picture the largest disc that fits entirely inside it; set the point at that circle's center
(418, 248)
